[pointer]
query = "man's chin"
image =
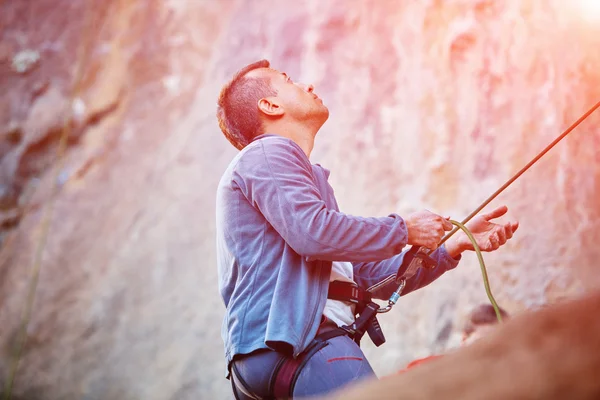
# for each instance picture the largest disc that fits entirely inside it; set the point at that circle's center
(324, 116)
(325, 113)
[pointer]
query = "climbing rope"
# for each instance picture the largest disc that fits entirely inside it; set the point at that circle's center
(486, 281)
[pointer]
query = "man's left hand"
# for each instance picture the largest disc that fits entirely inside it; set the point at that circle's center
(488, 235)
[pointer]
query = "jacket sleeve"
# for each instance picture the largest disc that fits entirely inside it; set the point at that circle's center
(276, 177)
(380, 277)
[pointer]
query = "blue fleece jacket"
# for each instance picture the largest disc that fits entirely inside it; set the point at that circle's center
(278, 230)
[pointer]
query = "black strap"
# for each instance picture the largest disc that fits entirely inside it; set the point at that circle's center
(367, 322)
(348, 291)
(375, 332)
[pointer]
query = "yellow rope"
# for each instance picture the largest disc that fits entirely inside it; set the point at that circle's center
(486, 281)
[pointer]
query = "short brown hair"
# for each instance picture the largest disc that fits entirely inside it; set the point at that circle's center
(483, 315)
(237, 110)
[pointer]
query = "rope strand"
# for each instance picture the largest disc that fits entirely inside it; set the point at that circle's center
(486, 281)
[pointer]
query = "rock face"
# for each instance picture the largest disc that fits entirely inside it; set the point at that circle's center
(433, 105)
(515, 361)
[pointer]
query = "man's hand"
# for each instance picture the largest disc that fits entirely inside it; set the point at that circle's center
(426, 229)
(488, 235)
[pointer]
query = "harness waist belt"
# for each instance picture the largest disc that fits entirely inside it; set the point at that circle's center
(365, 307)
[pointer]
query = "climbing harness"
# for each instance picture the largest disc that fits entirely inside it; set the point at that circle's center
(420, 255)
(288, 369)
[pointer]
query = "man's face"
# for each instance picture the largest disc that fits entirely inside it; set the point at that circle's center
(479, 332)
(299, 101)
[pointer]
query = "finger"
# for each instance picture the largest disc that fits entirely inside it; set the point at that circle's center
(515, 226)
(501, 235)
(493, 242)
(447, 224)
(440, 234)
(498, 212)
(508, 230)
(432, 245)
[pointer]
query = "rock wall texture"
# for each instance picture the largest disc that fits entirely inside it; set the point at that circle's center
(528, 345)
(433, 105)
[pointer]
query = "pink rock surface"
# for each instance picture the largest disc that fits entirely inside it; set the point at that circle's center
(433, 105)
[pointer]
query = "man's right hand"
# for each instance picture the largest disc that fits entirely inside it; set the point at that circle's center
(426, 229)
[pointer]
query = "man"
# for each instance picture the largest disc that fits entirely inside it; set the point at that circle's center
(281, 239)
(480, 322)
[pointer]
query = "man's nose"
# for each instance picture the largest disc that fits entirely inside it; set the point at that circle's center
(309, 88)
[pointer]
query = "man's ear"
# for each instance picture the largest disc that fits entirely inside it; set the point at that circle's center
(270, 106)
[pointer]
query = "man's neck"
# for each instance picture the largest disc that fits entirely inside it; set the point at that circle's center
(302, 136)
(306, 144)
